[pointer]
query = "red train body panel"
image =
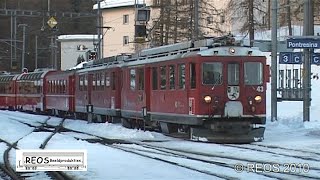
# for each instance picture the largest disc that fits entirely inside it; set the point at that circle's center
(8, 91)
(98, 91)
(30, 95)
(59, 91)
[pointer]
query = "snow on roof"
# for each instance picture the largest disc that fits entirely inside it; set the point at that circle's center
(77, 37)
(80, 65)
(117, 3)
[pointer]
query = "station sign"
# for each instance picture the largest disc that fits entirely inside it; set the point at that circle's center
(315, 58)
(290, 58)
(303, 43)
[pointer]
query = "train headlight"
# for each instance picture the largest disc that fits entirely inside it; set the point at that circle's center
(207, 99)
(232, 50)
(258, 99)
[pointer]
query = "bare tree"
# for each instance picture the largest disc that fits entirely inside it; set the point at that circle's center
(176, 22)
(251, 13)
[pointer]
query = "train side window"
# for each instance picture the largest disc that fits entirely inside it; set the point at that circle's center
(212, 73)
(132, 79)
(113, 81)
(141, 79)
(80, 83)
(102, 81)
(94, 82)
(2, 87)
(154, 78)
(163, 77)
(182, 76)
(107, 80)
(85, 84)
(64, 86)
(172, 76)
(193, 75)
(99, 81)
(233, 74)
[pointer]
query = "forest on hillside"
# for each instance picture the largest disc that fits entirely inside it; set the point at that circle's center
(38, 26)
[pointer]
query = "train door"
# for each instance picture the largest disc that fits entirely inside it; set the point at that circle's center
(233, 106)
(71, 92)
(89, 90)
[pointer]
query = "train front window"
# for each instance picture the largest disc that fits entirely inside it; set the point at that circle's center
(253, 73)
(233, 74)
(212, 73)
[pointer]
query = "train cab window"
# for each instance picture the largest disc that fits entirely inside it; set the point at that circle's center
(140, 79)
(132, 79)
(154, 78)
(113, 81)
(182, 76)
(172, 77)
(253, 73)
(163, 77)
(212, 73)
(233, 74)
(193, 75)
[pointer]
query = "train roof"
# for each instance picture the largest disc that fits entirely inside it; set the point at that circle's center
(219, 46)
(33, 75)
(8, 77)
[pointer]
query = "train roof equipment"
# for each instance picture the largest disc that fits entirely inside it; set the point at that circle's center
(174, 50)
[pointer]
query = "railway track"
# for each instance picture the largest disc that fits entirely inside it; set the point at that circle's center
(147, 150)
(10, 172)
(310, 156)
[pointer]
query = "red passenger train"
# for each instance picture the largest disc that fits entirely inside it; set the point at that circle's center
(210, 90)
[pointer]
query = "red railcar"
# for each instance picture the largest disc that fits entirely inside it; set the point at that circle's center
(98, 92)
(213, 92)
(30, 94)
(59, 92)
(8, 91)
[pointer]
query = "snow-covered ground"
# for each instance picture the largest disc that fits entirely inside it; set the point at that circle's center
(289, 140)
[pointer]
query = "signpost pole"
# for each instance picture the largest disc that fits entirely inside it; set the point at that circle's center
(274, 62)
(306, 64)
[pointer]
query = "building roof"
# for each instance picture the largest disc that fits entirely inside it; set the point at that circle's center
(106, 4)
(77, 37)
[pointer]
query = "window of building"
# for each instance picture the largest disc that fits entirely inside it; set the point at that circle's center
(125, 40)
(126, 19)
(154, 78)
(163, 77)
(156, 2)
(182, 76)
(132, 79)
(171, 77)
(209, 20)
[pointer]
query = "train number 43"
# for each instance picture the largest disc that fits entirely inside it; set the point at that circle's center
(260, 88)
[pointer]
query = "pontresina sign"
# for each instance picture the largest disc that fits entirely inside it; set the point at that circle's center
(303, 43)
